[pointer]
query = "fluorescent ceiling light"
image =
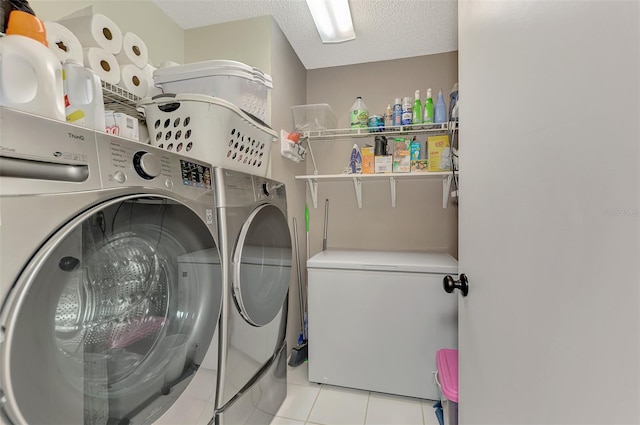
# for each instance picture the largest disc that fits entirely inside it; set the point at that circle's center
(333, 20)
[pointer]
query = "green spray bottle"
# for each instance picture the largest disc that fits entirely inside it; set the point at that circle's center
(428, 108)
(417, 109)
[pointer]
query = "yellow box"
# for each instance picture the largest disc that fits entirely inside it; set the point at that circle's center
(439, 153)
(419, 165)
(368, 160)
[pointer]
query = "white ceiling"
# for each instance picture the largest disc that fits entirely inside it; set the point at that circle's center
(385, 29)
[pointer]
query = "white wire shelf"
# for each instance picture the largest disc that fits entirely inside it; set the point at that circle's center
(351, 133)
(357, 179)
(120, 100)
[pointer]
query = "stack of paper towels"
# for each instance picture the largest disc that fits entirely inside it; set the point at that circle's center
(96, 42)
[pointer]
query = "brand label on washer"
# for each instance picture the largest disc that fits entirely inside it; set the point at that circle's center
(209, 214)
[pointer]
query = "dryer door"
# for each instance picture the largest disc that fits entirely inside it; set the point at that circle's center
(113, 317)
(262, 265)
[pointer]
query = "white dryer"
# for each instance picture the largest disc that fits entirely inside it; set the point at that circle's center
(104, 316)
(256, 253)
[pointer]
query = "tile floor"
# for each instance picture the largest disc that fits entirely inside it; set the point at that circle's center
(310, 403)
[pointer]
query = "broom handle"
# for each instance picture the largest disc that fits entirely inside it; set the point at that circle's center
(295, 238)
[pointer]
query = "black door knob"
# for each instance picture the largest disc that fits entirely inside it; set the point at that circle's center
(450, 284)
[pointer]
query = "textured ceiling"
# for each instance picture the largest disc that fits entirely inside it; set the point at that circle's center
(385, 29)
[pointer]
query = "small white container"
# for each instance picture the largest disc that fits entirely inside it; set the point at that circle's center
(244, 86)
(209, 129)
(83, 100)
(314, 117)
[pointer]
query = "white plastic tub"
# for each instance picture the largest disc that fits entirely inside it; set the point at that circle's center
(314, 117)
(244, 86)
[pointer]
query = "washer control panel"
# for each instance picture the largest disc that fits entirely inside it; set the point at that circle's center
(128, 163)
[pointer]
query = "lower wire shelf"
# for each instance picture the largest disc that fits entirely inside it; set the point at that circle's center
(357, 179)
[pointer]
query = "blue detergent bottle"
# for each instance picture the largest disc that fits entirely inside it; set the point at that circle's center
(440, 114)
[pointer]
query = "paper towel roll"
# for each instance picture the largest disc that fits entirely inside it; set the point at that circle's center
(102, 63)
(63, 43)
(134, 51)
(96, 31)
(133, 80)
(152, 90)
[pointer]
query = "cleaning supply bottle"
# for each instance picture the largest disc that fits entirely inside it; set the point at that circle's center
(397, 113)
(428, 108)
(440, 115)
(30, 73)
(83, 99)
(388, 117)
(417, 109)
(359, 114)
(407, 111)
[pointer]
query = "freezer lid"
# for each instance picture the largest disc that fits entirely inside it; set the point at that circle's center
(390, 261)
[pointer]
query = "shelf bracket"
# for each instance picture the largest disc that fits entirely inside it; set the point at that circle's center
(313, 189)
(392, 181)
(357, 185)
(446, 188)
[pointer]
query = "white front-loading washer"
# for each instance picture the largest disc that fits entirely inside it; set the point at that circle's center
(255, 245)
(105, 315)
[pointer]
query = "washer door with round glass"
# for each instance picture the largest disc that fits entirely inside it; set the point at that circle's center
(111, 317)
(262, 265)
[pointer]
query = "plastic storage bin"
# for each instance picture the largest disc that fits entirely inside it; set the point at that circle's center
(447, 380)
(236, 82)
(209, 129)
(314, 117)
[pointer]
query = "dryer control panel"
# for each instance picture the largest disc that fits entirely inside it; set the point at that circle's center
(125, 163)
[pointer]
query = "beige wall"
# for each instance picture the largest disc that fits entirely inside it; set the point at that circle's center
(289, 88)
(418, 222)
(163, 37)
(247, 41)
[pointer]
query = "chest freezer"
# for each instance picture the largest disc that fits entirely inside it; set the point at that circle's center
(377, 319)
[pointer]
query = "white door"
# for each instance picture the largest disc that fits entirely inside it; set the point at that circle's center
(549, 212)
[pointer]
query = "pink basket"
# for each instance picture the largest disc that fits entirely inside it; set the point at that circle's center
(447, 362)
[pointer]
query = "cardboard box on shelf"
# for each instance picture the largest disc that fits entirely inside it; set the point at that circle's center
(439, 153)
(419, 166)
(122, 125)
(383, 164)
(368, 160)
(401, 156)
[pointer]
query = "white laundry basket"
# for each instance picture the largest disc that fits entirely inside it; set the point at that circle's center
(209, 129)
(245, 86)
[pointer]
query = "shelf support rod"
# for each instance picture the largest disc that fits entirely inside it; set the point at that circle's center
(446, 188)
(313, 159)
(357, 185)
(392, 181)
(313, 189)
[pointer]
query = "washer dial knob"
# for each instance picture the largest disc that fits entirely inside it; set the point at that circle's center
(146, 164)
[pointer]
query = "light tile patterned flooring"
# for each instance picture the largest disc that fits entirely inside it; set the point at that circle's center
(310, 403)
